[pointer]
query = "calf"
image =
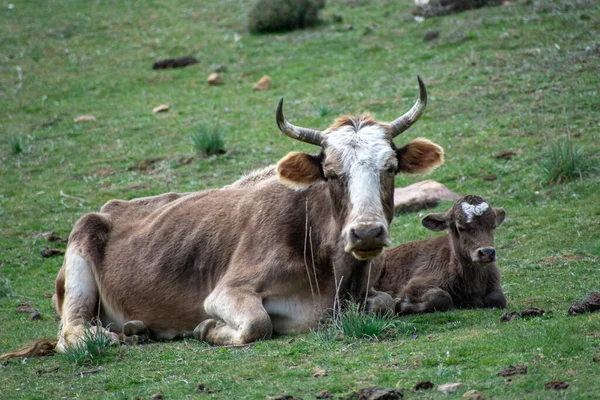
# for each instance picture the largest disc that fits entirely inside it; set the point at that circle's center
(455, 270)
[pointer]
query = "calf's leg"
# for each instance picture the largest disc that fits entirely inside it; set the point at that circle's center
(239, 318)
(433, 299)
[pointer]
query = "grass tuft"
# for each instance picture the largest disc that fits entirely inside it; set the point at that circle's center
(94, 345)
(563, 162)
(209, 140)
(16, 144)
(353, 323)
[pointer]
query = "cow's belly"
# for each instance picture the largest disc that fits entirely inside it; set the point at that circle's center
(293, 314)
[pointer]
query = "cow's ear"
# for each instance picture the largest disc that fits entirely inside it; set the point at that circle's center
(500, 216)
(435, 222)
(299, 170)
(419, 157)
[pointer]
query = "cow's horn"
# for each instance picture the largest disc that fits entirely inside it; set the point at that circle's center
(306, 135)
(404, 122)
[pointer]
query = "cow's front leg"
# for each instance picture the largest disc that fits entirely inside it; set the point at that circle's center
(379, 302)
(239, 318)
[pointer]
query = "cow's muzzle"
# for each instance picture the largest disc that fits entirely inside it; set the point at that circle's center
(366, 241)
(484, 255)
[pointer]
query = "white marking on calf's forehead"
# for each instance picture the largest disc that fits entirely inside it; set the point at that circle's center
(363, 154)
(471, 210)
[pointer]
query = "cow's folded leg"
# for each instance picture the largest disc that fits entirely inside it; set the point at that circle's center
(379, 302)
(239, 318)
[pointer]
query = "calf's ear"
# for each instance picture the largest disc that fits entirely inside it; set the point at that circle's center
(435, 222)
(419, 157)
(500, 215)
(299, 170)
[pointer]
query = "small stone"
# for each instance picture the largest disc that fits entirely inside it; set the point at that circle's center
(35, 316)
(215, 79)
(593, 301)
(53, 237)
(472, 395)
(376, 393)
(263, 83)
(578, 308)
(448, 388)
(157, 396)
(161, 108)
(84, 118)
(319, 372)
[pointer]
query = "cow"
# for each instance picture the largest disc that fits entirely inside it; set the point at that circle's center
(454, 270)
(264, 256)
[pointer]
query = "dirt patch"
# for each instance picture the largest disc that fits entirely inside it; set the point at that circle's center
(377, 393)
(49, 252)
(423, 385)
(590, 304)
(148, 164)
(509, 316)
(513, 370)
(26, 308)
(179, 62)
(563, 257)
(532, 312)
(556, 385)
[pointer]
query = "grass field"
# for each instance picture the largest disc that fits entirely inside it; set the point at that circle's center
(522, 77)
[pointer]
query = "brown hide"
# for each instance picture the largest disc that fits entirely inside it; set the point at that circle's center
(439, 273)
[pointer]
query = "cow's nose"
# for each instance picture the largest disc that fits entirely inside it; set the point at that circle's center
(367, 233)
(487, 254)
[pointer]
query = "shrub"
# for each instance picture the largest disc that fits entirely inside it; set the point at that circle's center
(283, 15)
(562, 162)
(209, 140)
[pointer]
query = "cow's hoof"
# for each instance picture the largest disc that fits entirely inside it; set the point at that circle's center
(201, 331)
(135, 327)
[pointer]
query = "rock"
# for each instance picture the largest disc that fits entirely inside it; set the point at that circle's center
(513, 370)
(448, 388)
(263, 83)
(157, 396)
(421, 195)
(161, 108)
(179, 62)
(84, 118)
(215, 79)
(319, 372)
(376, 393)
(578, 308)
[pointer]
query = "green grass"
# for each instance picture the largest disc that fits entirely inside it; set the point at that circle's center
(90, 350)
(499, 78)
(209, 140)
(15, 143)
(562, 161)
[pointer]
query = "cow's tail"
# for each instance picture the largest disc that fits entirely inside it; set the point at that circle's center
(39, 348)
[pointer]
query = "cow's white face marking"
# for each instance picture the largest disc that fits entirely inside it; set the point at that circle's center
(471, 210)
(363, 155)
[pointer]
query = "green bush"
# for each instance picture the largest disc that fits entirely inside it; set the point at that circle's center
(93, 346)
(16, 144)
(209, 140)
(283, 15)
(563, 162)
(354, 323)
